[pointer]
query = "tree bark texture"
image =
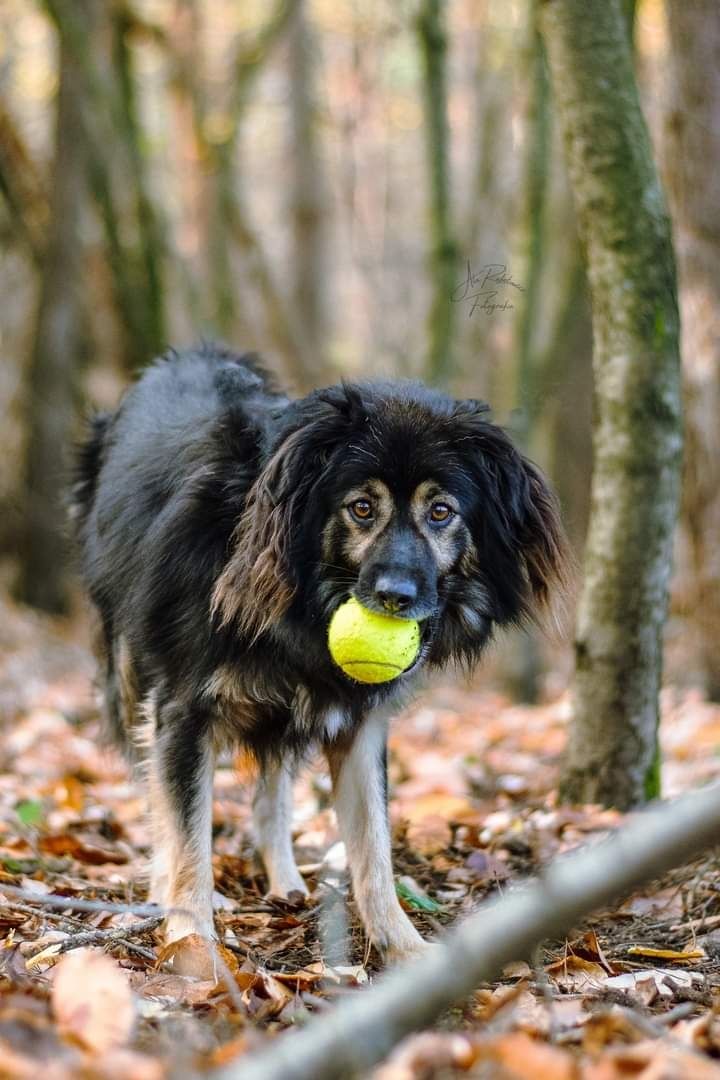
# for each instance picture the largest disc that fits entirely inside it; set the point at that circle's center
(443, 248)
(308, 199)
(57, 356)
(612, 755)
(692, 172)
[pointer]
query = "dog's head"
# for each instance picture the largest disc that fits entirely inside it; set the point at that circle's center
(414, 503)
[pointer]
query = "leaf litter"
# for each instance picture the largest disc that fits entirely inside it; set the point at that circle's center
(89, 989)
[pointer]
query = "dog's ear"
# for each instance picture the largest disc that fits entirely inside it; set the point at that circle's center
(522, 513)
(258, 583)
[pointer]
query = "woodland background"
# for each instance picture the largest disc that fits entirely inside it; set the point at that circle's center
(312, 180)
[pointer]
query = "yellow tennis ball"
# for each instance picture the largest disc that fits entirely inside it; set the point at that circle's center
(369, 647)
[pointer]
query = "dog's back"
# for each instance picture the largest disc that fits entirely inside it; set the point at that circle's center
(192, 427)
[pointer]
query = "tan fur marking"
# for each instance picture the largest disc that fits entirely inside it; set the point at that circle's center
(444, 543)
(360, 538)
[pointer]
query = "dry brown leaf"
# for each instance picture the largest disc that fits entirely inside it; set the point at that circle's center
(430, 1051)
(95, 853)
(666, 954)
(575, 974)
(263, 995)
(614, 1025)
(524, 1058)
(197, 958)
(92, 1001)
(429, 836)
(588, 948)
(179, 989)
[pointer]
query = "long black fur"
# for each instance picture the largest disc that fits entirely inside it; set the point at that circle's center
(200, 506)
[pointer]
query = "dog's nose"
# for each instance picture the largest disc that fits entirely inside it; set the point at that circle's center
(395, 593)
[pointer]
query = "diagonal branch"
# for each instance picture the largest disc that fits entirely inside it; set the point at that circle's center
(364, 1028)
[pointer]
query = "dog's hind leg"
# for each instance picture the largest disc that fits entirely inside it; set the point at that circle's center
(180, 761)
(359, 776)
(272, 822)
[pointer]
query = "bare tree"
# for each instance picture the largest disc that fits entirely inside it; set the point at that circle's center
(692, 171)
(613, 754)
(308, 198)
(57, 356)
(97, 37)
(443, 250)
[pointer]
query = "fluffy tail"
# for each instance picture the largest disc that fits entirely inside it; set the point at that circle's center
(88, 462)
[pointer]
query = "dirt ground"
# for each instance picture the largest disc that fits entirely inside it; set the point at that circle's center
(635, 992)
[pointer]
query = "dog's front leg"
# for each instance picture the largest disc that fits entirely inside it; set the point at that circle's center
(180, 774)
(272, 820)
(359, 776)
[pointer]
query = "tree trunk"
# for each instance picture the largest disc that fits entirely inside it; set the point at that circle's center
(308, 200)
(443, 254)
(612, 753)
(692, 170)
(116, 171)
(57, 356)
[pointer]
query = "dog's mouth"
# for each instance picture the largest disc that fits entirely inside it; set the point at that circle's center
(426, 636)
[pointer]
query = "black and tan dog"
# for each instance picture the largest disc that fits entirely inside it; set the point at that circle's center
(221, 525)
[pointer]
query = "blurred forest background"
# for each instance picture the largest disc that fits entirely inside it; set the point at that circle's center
(315, 181)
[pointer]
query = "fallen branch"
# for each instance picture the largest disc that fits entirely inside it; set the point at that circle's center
(119, 935)
(77, 903)
(363, 1029)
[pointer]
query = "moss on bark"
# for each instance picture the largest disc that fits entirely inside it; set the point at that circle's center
(612, 754)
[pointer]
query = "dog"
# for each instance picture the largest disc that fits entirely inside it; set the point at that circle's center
(221, 524)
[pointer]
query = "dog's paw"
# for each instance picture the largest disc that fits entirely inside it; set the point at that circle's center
(283, 886)
(181, 924)
(402, 953)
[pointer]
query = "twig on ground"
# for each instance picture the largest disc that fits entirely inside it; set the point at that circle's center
(52, 900)
(66, 921)
(118, 934)
(360, 1032)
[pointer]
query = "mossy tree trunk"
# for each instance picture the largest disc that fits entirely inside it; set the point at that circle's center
(57, 356)
(443, 251)
(692, 170)
(613, 753)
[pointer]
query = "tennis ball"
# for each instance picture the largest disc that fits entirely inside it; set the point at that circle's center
(369, 647)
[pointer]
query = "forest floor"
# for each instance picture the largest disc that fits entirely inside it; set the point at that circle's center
(634, 992)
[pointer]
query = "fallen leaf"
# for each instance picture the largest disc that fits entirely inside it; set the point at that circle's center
(666, 954)
(575, 974)
(421, 1054)
(634, 980)
(521, 1057)
(95, 853)
(92, 1001)
(429, 836)
(196, 957)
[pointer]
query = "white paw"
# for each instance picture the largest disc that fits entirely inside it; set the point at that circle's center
(178, 925)
(283, 886)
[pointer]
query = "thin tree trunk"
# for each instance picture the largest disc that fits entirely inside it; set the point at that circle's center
(22, 188)
(308, 199)
(116, 172)
(443, 253)
(57, 356)
(692, 170)
(522, 664)
(613, 755)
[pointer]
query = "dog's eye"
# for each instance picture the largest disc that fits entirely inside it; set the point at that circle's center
(440, 513)
(361, 510)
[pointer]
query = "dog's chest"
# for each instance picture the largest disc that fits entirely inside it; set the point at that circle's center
(253, 711)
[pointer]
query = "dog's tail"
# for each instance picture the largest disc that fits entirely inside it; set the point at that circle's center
(88, 462)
